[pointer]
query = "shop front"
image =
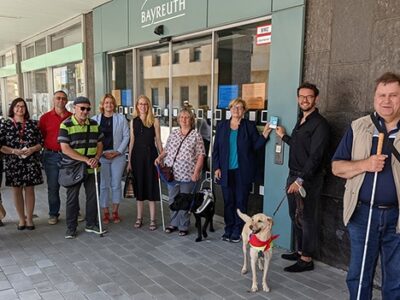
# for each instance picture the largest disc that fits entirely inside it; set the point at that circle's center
(202, 54)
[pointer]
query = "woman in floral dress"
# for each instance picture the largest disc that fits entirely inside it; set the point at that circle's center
(22, 142)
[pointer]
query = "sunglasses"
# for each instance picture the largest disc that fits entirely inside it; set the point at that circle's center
(83, 108)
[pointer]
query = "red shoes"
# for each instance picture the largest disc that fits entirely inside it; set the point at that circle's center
(116, 218)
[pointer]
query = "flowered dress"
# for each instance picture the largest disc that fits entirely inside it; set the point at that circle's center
(21, 171)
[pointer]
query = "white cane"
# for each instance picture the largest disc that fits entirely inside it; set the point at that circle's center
(378, 152)
(98, 202)
(161, 201)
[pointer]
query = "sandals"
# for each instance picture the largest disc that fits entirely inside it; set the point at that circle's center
(153, 225)
(138, 223)
(170, 229)
(116, 218)
(106, 218)
(183, 232)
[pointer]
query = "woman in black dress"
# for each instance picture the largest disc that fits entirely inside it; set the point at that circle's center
(22, 142)
(145, 136)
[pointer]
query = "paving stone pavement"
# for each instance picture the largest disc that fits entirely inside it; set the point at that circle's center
(129, 263)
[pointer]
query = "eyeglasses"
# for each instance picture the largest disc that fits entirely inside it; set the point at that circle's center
(83, 108)
(238, 107)
(309, 97)
(61, 98)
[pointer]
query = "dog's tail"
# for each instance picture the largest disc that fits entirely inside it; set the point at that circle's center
(243, 216)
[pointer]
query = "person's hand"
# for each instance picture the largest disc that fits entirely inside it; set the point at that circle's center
(217, 174)
(92, 162)
(280, 131)
(196, 175)
(293, 188)
(375, 163)
(128, 167)
(159, 161)
(267, 130)
(27, 151)
(17, 152)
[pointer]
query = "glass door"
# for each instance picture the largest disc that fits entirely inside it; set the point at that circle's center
(191, 83)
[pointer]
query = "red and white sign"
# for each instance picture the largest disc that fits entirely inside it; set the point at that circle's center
(263, 36)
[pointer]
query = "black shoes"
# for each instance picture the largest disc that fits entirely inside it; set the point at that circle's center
(300, 266)
(291, 256)
(70, 234)
(235, 239)
(225, 238)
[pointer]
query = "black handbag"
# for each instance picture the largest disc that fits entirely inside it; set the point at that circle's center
(128, 188)
(71, 172)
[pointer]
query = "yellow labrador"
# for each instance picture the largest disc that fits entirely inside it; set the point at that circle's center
(257, 233)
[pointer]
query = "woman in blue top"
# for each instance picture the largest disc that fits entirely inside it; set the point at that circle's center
(116, 138)
(236, 141)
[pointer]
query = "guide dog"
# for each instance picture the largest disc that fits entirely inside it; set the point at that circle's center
(203, 207)
(257, 233)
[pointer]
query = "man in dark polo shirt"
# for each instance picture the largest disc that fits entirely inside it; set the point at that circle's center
(356, 160)
(79, 135)
(49, 125)
(308, 144)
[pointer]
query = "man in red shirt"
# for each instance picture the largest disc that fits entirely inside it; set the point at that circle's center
(49, 125)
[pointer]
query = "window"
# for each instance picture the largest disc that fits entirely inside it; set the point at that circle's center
(156, 60)
(184, 94)
(2, 61)
(67, 37)
(166, 97)
(154, 96)
(29, 51)
(121, 84)
(203, 97)
(40, 47)
(176, 57)
(70, 78)
(196, 54)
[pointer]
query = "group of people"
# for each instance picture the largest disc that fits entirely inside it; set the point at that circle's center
(371, 199)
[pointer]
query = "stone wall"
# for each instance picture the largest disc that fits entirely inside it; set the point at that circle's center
(348, 44)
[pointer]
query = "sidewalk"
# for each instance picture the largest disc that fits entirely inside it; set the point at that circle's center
(130, 263)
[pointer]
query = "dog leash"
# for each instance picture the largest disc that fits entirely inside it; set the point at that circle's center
(279, 205)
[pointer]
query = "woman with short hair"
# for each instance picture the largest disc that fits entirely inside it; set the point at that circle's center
(116, 138)
(236, 141)
(187, 162)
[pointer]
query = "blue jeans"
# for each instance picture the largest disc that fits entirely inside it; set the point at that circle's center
(236, 195)
(50, 162)
(110, 179)
(384, 241)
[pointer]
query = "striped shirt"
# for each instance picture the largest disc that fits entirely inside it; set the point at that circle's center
(75, 135)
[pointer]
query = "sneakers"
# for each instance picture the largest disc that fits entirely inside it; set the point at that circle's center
(225, 237)
(291, 256)
(53, 220)
(300, 266)
(94, 229)
(70, 234)
(235, 239)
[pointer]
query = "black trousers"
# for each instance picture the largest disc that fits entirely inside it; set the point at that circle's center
(306, 235)
(72, 207)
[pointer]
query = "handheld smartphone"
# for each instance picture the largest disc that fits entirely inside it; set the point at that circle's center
(273, 122)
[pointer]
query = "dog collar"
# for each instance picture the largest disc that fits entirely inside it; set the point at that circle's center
(263, 246)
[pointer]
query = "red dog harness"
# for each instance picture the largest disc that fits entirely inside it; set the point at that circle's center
(259, 245)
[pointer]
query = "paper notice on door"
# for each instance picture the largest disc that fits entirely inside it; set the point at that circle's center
(254, 95)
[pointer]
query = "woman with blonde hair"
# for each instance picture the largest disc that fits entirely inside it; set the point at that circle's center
(145, 141)
(116, 138)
